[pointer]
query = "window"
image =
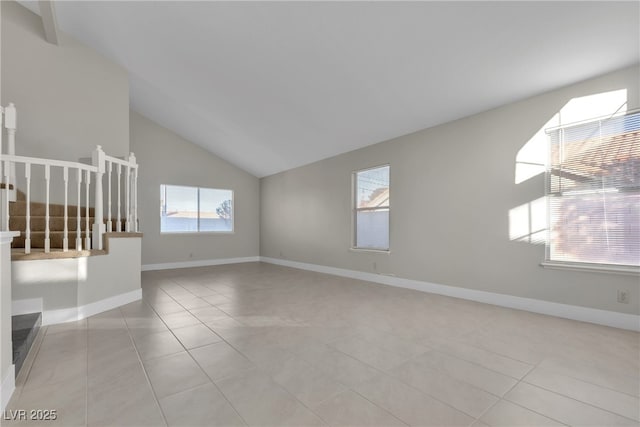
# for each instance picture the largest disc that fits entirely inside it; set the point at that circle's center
(371, 208)
(194, 209)
(593, 191)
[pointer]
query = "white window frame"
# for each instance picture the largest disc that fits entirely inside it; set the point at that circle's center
(578, 265)
(198, 231)
(355, 209)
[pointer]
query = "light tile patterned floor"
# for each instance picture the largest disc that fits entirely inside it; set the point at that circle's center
(257, 344)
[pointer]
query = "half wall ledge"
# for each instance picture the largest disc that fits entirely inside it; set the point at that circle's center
(39, 253)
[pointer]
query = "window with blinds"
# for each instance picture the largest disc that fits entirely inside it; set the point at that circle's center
(593, 191)
(371, 209)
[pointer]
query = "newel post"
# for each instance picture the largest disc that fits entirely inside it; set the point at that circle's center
(134, 189)
(98, 160)
(10, 123)
(130, 195)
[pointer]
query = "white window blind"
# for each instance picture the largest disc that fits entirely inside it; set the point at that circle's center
(593, 191)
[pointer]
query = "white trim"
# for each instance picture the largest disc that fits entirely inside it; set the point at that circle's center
(594, 268)
(26, 306)
(199, 263)
(375, 251)
(574, 312)
(50, 317)
(7, 236)
(7, 387)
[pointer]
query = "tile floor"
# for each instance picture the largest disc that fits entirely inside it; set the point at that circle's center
(258, 344)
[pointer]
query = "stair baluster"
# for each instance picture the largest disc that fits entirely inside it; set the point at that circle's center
(47, 179)
(65, 237)
(87, 238)
(98, 160)
(78, 228)
(10, 120)
(109, 222)
(7, 183)
(127, 190)
(27, 231)
(135, 200)
(134, 195)
(119, 222)
(127, 204)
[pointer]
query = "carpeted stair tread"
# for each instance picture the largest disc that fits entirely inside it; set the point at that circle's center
(55, 239)
(38, 223)
(19, 208)
(18, 222)
(56, 223)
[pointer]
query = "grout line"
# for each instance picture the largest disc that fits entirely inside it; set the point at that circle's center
(144, 369)
(503, 398)
(195, 361)
(454, 356)
(264, 371)
(577, 379)
(488, 321)
(86, 385)
(579, 401)
(417, 389)
(255, 367)
(500, 398)
(401, 381)
(530, 366)
(377, 406)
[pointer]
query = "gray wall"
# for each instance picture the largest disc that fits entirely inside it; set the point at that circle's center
(166, 158)
(452, 187)
(69, 98)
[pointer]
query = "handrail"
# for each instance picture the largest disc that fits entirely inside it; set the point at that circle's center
(47, 162)
(120, 161)
(101, 165)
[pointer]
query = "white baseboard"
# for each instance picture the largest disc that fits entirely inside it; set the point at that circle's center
(7, 387)
(50, 317)
(199, 263)
(574, 312)
(26, 306)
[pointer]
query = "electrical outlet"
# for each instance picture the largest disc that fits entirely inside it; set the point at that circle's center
(623, 296)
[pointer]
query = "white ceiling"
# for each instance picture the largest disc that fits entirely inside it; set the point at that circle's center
(270, 86)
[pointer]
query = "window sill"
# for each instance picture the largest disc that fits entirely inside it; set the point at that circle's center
(193, 233)
(596, 268)
(377, 251)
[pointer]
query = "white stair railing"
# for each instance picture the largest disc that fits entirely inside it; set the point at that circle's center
(27, 232)
(78, 214)
(47, 232)
(130, 168)
(87, 185)
(100, 163)
(65, 237)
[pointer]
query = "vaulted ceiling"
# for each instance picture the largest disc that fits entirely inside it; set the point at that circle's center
(270, 86)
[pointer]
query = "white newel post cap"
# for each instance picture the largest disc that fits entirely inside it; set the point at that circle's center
(7, 236)
(10, 116)
(98, 158)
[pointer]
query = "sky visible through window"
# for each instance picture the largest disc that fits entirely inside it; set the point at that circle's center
(193, 209)
(371, 180)
(184, 199)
